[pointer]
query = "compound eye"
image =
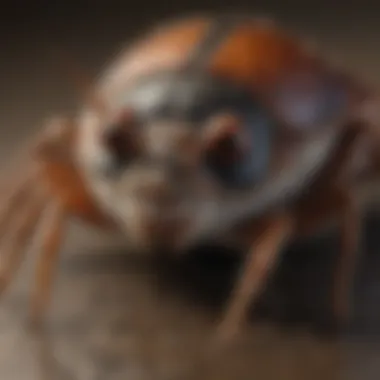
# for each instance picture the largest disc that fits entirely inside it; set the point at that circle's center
(225, 142)
(226, 147)
(120, 138)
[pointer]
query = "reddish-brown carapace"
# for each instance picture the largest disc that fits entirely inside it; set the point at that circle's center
(207, 128)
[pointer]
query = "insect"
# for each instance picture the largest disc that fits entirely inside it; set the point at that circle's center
(222, 128)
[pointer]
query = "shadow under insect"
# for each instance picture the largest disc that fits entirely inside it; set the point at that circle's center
(297, 294)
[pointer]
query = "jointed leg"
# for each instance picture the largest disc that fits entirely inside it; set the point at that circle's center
(260, 262)
(16, 194)
(21, 229)
(53, 229)
(24, 199)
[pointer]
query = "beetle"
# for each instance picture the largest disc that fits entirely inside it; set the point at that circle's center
(221, 127)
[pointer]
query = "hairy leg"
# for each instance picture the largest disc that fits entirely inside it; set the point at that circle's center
(24, 203)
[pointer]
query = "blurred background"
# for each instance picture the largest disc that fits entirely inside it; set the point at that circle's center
(115, 316)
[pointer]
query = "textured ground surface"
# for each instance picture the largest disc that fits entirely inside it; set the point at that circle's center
(117, 317)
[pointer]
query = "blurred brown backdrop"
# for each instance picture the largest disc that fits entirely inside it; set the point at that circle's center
(114, 317)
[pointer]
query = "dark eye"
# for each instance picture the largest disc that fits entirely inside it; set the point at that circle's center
(223, 158)
(226, 151)
(237, 154)
(117, 143)
(121, 142)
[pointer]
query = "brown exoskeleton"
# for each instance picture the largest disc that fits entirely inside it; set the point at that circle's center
(207, 129)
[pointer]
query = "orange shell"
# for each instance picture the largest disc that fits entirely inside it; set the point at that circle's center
(254, 52)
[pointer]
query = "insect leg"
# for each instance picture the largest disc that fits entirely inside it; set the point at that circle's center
(54, 147)
(53, 228)
(23, 202)
(21, 229)
(260, 261)
(13, 198)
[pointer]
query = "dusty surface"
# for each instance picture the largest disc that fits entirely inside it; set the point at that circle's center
(115, 316)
